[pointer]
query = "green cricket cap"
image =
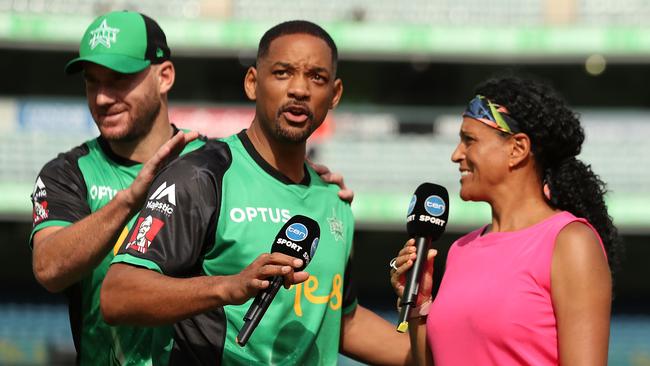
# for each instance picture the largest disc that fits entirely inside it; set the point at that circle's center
(123, 41)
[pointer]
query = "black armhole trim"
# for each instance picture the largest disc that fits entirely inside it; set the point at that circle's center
(350, 291)
(210, 239)
(248, 145)
(73, 159)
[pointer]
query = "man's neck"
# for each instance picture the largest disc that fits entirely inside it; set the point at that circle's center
(145, 147)
(288, 159)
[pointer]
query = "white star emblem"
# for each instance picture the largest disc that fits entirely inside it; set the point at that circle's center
(336, 226)
(103, 35)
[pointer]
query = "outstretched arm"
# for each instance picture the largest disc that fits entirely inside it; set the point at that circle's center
(64, 255)
(367, 337)
(139, 296)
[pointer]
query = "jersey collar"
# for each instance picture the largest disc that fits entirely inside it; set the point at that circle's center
(248, 145)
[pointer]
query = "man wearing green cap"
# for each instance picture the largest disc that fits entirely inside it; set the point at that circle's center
(86, 197)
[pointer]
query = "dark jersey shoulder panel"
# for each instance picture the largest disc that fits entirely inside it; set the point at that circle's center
(177, 224)
(59, 195)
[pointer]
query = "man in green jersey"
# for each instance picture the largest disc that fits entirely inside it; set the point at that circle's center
(85, 197)
(202, 261)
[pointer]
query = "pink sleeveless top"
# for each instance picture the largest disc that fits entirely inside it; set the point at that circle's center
(494, 304)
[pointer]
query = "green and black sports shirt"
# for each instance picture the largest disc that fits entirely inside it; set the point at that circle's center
(215, 210)
(69, 188)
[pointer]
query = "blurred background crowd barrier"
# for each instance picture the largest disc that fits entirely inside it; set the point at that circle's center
(408, 68)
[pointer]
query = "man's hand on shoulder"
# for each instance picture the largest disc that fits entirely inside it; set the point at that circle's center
(135, 195)
(326, 175)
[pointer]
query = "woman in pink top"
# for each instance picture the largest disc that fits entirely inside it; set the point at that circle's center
(534, 286)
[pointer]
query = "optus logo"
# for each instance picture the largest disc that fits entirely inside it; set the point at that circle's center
(296, 232)
(434, 205)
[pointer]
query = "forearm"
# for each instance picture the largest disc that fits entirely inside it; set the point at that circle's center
(420, 351)
(63, 256)
(139, 296)
(368, 338)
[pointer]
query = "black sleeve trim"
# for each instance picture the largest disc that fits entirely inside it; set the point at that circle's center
(60, 192)
(177, 225)
(349, 286)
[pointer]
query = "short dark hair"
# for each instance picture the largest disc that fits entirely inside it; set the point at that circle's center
(296, 27)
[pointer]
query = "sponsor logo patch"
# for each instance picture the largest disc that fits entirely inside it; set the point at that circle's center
(336, 226)
(39, 200)
(163, 199)
(101, 192)
(145, 231)
(265, 214)
(164, 191)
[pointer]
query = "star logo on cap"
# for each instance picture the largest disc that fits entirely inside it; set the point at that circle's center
(103, 35)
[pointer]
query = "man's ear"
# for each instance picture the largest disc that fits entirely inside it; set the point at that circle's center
(250, 83)
(520, 148)
(166, 76)
(338, 92)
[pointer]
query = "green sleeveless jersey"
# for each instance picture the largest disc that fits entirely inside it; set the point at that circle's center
(228, 205)
(69, 188)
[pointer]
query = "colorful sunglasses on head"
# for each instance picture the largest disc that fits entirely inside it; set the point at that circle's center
(492, 114)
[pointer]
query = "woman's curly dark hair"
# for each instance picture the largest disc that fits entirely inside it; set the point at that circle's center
(556, 139)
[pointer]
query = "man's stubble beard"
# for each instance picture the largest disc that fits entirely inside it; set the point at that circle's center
(142, 123)
(283, 135)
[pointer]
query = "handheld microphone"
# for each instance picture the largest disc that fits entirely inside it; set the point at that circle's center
(298, 238)
(426, 220)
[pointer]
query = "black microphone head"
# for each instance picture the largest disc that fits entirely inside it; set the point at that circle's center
(298, 238)
(428, 211)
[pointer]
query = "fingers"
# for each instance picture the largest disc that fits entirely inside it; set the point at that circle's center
(404, 261)
(259, 284)
(327, 176)
(295, 278)
(178, 142)
(346, 195)
(318, 168)
(398, 286)
(276, 264)
(279, 259)
(172, 148)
